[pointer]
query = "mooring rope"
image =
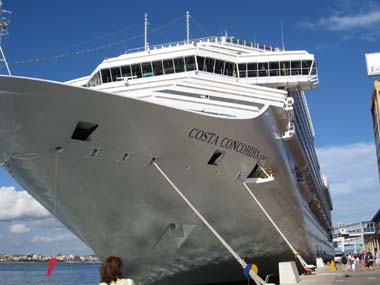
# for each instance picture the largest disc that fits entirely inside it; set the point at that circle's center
(253, 275)
(302, 261)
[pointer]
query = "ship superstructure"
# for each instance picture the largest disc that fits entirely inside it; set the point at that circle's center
(216, 114)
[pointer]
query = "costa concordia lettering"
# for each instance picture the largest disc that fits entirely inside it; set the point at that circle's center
(226, 143)
(213, 114)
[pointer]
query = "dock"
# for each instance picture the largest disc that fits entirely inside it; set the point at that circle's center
(327, 277)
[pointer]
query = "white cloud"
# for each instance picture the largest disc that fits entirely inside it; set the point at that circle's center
(16, 205)
(348, 22)
(353, 179)
(350, 168)
(19, 229)
(357, 19)
(53, 238)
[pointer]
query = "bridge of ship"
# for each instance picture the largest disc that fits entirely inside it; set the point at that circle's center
(247, 62)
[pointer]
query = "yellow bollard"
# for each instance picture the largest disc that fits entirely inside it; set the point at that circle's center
(332, 265)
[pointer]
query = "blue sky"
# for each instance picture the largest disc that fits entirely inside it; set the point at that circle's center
(338, 33)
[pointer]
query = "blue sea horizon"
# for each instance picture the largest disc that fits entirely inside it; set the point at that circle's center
(35, 273)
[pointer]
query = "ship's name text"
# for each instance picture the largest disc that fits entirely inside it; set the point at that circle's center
(226, 143)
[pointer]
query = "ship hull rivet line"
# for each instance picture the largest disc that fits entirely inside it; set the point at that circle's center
(245, 266)
(306, 266)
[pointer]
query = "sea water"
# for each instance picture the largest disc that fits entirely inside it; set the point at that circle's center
(35, 273)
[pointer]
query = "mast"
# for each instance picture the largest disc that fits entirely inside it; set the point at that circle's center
(4, 23)
(187, 27)
(146, 23)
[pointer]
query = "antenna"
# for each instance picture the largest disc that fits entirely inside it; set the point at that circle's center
(146, 23)
(187, 27)
(4, 23)
(282, 38)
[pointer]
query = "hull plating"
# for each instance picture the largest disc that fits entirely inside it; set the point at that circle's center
(109, 195)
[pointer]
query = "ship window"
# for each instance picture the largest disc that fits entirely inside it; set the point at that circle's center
(242, 70)
(136, 70)
(126, 71)
(216, 158)
(116, 74)
(306, 64)
(179, 64)
(95, 80)
(209, 64)
(263, 69)
(219, 66)
(273, 68)
(296, 67)
(190, 63)
(252, 69)
(229, 69)
(106, 75)
(314, 69)
(168, 66)
(201, 62)
(83, 130)
(157, 67)
(147, 69)
(285, 68)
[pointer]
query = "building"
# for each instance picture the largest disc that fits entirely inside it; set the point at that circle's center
(375, 111)
(372, 243)
(354, 237)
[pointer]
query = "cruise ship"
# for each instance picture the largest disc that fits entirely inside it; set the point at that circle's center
(214, 115)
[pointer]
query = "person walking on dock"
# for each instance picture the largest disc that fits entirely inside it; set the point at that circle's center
(111, 272)
(345, 264)
(369, 260)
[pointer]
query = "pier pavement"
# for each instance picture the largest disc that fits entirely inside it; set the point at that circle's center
(325, 276)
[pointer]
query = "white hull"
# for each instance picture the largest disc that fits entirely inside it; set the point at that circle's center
(126, 208)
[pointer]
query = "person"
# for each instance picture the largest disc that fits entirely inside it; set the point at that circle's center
(369, 259)
(353, 262)
(344, 261)
(111, 272)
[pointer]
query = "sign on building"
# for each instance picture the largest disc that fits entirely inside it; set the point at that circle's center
(373, 63)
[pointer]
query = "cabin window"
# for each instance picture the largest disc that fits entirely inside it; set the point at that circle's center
(229, 69)
(136, 70)
(306, 65)
(295, 67)
(168, 66)
(179, 64)
(106, 75)
(157, 67)
(190, 63)
(95, 80)
(252, 69)
(201, 62)
(242, 70)
(115, 73)
(147, 69)
(263, 69)
(285, 68)
(314, 69)
(126, 71)
(273, 69)
(219, 66)
(209, 64)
